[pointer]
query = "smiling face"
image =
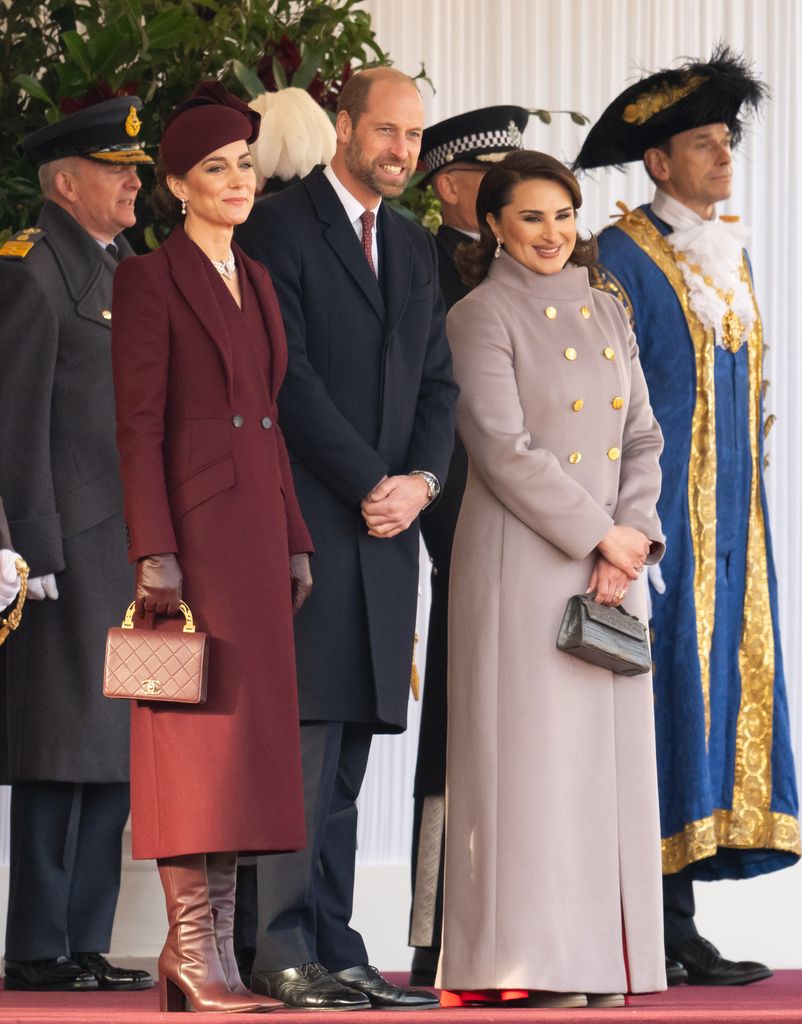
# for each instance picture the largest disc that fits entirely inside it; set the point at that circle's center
(538, 225)
(695, 167)
(376, 156)
(219, 189)
(100, 196)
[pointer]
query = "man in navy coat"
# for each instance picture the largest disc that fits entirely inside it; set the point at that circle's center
(367, 408)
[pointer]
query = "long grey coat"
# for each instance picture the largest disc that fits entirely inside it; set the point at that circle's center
(63, 498)
(552, 823)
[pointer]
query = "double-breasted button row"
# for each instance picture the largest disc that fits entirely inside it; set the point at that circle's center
(579, 403)
(613, 454)
(570, 353)
(239, 421)
(551, 312)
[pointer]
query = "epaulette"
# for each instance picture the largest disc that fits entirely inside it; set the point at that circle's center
(18, 247)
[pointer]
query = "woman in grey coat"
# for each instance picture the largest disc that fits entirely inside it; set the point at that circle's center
(552, 875)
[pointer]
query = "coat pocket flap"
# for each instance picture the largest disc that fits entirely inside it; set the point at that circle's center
(216, 477)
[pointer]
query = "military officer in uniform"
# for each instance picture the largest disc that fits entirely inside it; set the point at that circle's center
(456, 153)
(66, 746)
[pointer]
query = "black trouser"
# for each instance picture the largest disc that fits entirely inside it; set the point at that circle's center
(305, 898)
(678, 908)
(66, 856)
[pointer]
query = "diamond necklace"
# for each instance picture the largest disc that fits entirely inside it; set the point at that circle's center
(225, 267)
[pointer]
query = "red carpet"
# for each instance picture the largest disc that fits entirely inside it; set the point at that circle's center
(778, 999)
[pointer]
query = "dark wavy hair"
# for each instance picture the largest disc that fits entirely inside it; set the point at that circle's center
(473, 259)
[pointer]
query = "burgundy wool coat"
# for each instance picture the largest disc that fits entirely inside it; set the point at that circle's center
(206, 475)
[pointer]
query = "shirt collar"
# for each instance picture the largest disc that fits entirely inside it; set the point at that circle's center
(353, 208)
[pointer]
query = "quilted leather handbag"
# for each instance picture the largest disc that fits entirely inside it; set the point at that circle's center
(159, 665)
(605, 636)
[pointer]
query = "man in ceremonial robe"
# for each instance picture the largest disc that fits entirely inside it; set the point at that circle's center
(728, 799)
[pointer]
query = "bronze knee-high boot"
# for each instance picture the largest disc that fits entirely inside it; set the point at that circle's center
(190, 973)
(221, 871)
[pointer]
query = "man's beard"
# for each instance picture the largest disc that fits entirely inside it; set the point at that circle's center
(364, 172)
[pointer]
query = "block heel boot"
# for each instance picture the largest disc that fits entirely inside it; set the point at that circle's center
(190, 973)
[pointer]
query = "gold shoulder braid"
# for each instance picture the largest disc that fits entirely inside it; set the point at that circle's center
(12, 621)
(20, 245)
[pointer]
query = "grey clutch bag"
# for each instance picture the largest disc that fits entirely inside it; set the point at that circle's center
(605, 636)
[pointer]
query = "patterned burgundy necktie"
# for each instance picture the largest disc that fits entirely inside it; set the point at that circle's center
(367, 218)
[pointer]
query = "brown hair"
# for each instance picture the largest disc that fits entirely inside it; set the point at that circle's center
(355, 93)
(162, 201)
(473, 259)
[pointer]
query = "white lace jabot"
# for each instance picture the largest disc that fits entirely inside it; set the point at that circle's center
(710, 255)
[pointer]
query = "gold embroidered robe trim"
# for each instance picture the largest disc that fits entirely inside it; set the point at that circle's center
(702, 458)
(701, 839)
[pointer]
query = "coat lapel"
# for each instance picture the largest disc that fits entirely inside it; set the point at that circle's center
(396, 262)
(340, 235)
(189, 274)
(271, 314)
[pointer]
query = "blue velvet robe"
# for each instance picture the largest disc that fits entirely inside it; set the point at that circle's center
(728, 800)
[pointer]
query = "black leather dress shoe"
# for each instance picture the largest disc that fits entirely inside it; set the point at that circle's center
(383, 995)
(61, 974)
(308, 987)
(706, 966)
(115, 979)
(675, 972)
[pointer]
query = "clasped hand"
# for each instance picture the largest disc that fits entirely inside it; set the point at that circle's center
(623, 553)
(394, 504)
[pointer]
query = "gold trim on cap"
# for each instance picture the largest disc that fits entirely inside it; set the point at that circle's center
(135, 155)
(652, 102)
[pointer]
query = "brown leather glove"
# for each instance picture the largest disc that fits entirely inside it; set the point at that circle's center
(158, 584)
(301, 576)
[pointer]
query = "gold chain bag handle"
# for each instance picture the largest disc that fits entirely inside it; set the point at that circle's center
(12, 620)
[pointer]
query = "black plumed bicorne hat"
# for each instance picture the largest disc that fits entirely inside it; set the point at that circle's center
(671, 101)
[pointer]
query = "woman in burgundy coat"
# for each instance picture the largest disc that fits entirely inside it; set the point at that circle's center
(199, 355)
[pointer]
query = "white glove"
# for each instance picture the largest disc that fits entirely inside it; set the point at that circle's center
(654, 578)
(9, 580)
(40, 587)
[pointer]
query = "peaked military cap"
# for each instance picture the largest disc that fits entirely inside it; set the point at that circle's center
(480, 137)
(105, 131)
(671, 101)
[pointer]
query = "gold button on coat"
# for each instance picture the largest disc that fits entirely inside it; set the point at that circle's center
(613, 454)
(106, 314)
(577, 405)
(609, 353)
(585, 312)
(551, 312)
(617, 402)
(570, 354)
(575, 457)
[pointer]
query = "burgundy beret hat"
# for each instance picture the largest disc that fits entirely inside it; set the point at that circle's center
(209, 119)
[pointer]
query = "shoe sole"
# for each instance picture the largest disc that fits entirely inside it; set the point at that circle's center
(723, 982)
(12, 985)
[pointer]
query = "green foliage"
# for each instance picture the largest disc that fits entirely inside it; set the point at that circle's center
(58, 55)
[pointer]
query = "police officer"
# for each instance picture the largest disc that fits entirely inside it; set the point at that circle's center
(66, 753)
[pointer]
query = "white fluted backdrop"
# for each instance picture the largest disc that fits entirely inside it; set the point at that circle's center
(577, 55)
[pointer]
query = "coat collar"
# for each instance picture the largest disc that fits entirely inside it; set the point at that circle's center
(80, 258)
(340, 235)
(188, 272)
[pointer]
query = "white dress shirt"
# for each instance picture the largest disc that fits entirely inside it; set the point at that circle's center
(354, 210)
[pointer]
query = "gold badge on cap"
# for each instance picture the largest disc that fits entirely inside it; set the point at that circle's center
(132, 123)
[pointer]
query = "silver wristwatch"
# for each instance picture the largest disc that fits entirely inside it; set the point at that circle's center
(431, 481)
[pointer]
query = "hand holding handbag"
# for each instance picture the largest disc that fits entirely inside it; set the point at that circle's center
(605, 636)
(159, 665)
